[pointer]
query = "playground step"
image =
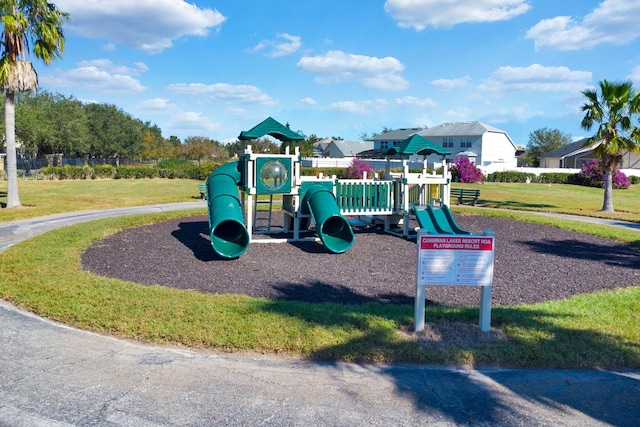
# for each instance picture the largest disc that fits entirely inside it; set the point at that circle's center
(262, 218)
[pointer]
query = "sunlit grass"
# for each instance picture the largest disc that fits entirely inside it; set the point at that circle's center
(558, 198)
(50, 197)
(44, 275)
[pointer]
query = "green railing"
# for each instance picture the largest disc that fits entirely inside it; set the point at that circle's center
(362, 197)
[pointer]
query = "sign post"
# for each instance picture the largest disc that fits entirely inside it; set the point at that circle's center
(456, 260)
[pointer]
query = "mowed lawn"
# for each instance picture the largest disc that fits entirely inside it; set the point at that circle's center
(51, 197)
(45, 275)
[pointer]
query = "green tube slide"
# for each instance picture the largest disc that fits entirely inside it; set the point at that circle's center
(228, 232)
(332, 228)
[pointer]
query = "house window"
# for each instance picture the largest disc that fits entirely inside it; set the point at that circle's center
(465, 142)
(384, 145)
(447, 142)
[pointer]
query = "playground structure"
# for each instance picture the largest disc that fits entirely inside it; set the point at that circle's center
(236, 190)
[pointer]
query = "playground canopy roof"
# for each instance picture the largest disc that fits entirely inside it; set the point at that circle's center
(270, 127)
(416, 144)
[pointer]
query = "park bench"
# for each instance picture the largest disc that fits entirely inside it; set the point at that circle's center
(463, 194)
(203, 191)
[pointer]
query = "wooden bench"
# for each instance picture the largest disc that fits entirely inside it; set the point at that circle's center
(463, 194)
(203, 191)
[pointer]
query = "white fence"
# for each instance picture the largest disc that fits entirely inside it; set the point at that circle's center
(538, 171)
(377, 164)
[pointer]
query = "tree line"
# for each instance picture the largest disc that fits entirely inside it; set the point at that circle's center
(48, 123)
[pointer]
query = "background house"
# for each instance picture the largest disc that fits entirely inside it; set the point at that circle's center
(573, 155)
(340, 149)
(484, 145)
(392, 138)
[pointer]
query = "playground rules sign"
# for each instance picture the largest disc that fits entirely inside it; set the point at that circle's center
(455, 260)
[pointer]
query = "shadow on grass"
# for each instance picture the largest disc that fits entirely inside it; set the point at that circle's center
(512, 204)
(619, 255)
(542, 342)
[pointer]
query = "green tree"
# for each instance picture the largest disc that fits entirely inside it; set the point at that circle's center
(544, 140)
(112, 132)
(198, 148)
(613, 109)
(27, 24)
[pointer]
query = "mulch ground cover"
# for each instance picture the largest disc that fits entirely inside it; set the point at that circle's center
(533, 263)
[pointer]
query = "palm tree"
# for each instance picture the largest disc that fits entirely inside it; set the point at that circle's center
(613, 108)
(24, 21)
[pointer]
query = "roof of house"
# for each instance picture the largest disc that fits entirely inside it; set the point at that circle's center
(572, 149)
(271, 127)
(474, 128)
(349, 148)
(416, 144)
(396, 134)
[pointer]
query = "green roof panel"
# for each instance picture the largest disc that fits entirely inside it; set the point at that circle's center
(416, 144)
(273, 128)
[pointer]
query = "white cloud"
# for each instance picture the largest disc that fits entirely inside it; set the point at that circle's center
(192, 123)
(100, 75)
(451, 83)
(446, 13)
(338, 66)
(359, 107)
(536, 78)
(149, 25)
(521, 112)
(612, 22)
(276, 48)
(223, 92)
(307, 102)
(411, 101)
(160, 104)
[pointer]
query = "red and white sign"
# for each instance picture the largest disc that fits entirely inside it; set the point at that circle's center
(455, 260)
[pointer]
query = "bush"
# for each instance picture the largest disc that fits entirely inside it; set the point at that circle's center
(136, 172)
(634, 179)
(592, 175)
(358, 168)
(104, 171)
(512, 176)
(465, 171)
(555, 178)
(66, 172)
(327, 172)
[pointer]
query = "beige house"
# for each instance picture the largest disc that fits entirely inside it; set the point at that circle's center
(573, 155)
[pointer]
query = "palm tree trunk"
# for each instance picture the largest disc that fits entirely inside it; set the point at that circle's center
(13, 198)
(607, 205)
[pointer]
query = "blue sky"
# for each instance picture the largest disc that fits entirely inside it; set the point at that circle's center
(344, 68)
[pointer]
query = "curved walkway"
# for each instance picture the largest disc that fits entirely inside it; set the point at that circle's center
(53, 375)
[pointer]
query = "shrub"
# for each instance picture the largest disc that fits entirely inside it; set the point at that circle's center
(464, 170)
(512, 176)
(592, 174)
(137, 172)
(104, 171)
(327, 172)
(555, 178)
(358, 168)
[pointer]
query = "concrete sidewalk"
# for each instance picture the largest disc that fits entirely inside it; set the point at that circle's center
(53, 375)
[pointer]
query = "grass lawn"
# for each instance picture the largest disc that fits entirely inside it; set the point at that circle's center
(44, 275)
(558, 198)
(50, 197)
